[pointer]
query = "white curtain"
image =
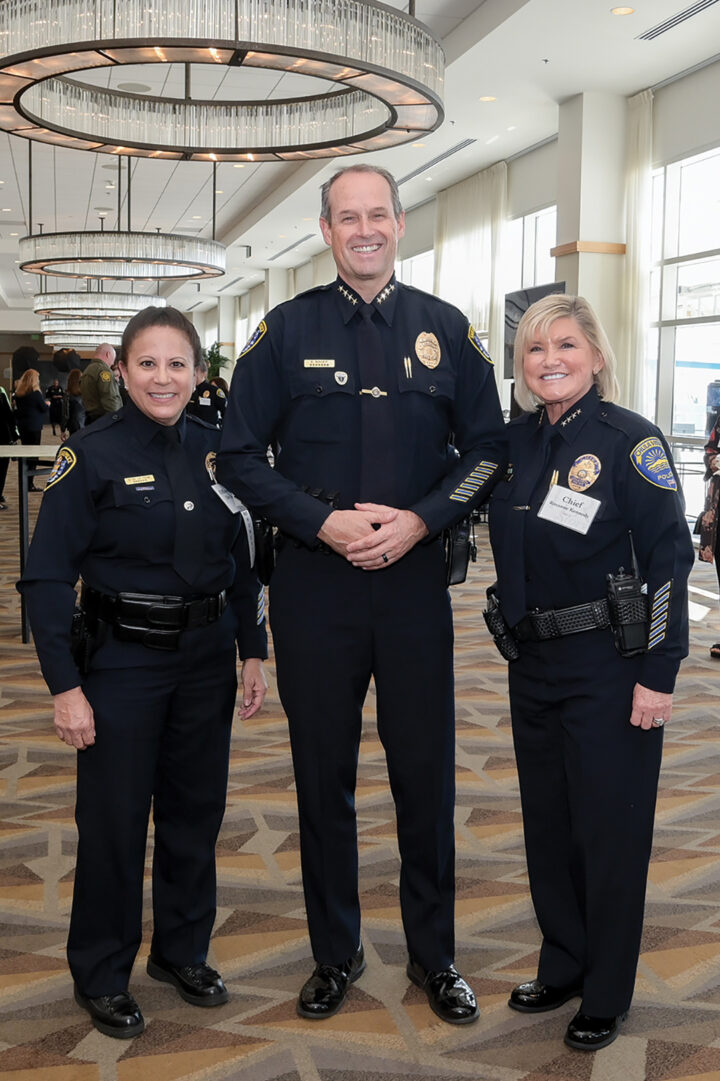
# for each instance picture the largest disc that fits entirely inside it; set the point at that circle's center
(469, 227)
(637, 393)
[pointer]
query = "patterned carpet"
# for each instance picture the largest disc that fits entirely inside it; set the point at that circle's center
(386, 1031)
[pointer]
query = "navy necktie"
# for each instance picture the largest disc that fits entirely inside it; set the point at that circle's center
(377, 449)
(189, 544)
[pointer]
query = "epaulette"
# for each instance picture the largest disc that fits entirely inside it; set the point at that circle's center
(631, 424)
(100, 425)
(311, 292)
(192, 419)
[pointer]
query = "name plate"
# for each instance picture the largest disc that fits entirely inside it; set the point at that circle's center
(573, 510)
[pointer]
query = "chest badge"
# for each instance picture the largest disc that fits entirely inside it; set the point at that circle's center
(584, 471)
(341, 378)
(427, 348)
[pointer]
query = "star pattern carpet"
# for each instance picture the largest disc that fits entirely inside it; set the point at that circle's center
(386, 1031)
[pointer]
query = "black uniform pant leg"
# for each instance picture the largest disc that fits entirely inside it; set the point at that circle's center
(189, 802)
(115, 780)
(320, 619)
(413, 666)
(4, 463)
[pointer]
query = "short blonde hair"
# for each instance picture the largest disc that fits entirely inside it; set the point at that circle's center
(28, 381)
(538, 319)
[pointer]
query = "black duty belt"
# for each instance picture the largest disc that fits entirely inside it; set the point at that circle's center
(556, 623)
(153, 620)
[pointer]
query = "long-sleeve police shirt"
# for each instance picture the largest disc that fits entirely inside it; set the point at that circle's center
(622, 460)
(297, 387)
(108, 516)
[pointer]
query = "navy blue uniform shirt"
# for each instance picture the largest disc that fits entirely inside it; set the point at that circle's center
(296, 386)
(108, 516)
(622, 460)
(207, 402)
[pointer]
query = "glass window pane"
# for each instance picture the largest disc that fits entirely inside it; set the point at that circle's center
(699, 225)
(698, 289)
(546, 229)
(697, 368)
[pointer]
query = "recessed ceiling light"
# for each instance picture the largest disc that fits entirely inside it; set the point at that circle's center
(239, 165)
(14, 234)
(622, 11)
(219, 191)
(428, 178)
(487, 97)
(196, 217)
(7, 210)
(512, 127)
(492, 139)
(418, 146)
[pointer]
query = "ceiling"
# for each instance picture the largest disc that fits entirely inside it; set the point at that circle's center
(530, 55)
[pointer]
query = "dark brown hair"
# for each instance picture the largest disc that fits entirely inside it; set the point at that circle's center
(160, 317)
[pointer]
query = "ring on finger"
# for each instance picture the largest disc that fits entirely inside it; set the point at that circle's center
(385, 558)
(658, 722)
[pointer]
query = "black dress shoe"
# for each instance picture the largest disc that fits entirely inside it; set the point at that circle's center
(450, 997)
(591, 1033)
(114, 1015)
(198, 984)
(537, 997)
(324, 993)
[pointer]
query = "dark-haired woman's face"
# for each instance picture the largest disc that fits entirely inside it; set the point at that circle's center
(159, 373)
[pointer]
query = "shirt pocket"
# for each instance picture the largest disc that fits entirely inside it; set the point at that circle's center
(437, 385)
(142, 495)
(323, 404)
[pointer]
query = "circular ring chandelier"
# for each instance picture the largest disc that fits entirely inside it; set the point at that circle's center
(388, 66)
(78, 305)
(83, 326)
(81, 340)
(121, 255)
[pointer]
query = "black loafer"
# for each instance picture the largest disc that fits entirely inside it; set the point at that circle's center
(586, 1033)
(450, 997)
(198, 984)
(324, 993)
(538, 997)
(114, 1015)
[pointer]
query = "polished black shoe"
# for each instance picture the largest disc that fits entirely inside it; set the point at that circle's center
(591, 1033)
(198, 984)
(537, 997)
(324, 993)
(450, 997)
(115, 1015)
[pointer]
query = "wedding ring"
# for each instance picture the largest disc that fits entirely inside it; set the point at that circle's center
(385, 558)
(658, 722)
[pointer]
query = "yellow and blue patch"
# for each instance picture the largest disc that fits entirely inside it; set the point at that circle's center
(65, 461)
(659, 615)
(260, 609)
(257, 335)
(473, 482)
(651, 461)
(474, 338)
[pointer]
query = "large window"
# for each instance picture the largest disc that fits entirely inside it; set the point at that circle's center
(527, 249)
(417, 271)
(683, 360)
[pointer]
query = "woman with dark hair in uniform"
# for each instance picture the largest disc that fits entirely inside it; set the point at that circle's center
(593, 553)
(146, 690)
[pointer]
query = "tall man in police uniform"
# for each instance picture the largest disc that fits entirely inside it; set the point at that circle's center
(98, 387)
(361, 386)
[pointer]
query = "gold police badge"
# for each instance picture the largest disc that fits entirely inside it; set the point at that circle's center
(427, 348)
(584, 471)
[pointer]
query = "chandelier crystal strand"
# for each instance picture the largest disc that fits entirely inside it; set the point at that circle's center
(123, 255)
(99, 305)
(383, 69)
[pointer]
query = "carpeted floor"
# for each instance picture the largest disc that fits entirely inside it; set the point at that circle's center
(386, 1031)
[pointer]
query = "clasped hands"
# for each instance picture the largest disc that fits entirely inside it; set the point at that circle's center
(372, 536)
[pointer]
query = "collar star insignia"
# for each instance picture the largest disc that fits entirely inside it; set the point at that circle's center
(347, 294)
(572, 416)
(387, 291)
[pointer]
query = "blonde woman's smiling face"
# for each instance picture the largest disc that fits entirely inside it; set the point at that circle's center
(559, 365)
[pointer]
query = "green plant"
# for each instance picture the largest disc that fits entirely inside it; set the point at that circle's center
(215, 359)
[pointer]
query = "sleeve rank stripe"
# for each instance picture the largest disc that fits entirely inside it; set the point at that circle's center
(473, 482)
(260, 613)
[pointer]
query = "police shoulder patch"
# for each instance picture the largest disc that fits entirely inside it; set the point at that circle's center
(650, 459)
(255, 337)
(474, 338)
(65, 461)
(106, 376)
(220, 392)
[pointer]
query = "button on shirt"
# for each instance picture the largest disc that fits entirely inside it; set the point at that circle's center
(297, 386)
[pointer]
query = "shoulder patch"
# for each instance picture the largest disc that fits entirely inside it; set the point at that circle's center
(64, 462)
(106, 376)
(474, 338)
(257, 336)
(220, 392)
(650, 459)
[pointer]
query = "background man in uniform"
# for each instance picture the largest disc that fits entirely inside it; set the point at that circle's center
(361, 386)
(208, 401)
(98, 386)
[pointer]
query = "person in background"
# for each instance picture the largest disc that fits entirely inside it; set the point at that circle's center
(31, 411)
(359, 385)
(55, 396)
(98, 386)
(8, 436)
(221, 384)
(146, 689)
(589, 512)
(208, 401)
(75, 419)
(709, 547)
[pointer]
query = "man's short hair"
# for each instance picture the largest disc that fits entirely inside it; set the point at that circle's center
(392, 182)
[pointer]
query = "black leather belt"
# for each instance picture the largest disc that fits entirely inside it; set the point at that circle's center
(153, 620)
(556, 623)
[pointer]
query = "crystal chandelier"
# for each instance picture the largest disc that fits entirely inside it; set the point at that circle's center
(385, 69)
(77, 305)
(121, 255)
(81, 340)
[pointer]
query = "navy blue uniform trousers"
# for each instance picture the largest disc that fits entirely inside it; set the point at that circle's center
(588, 783)
(162, 736)
(334, 626)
